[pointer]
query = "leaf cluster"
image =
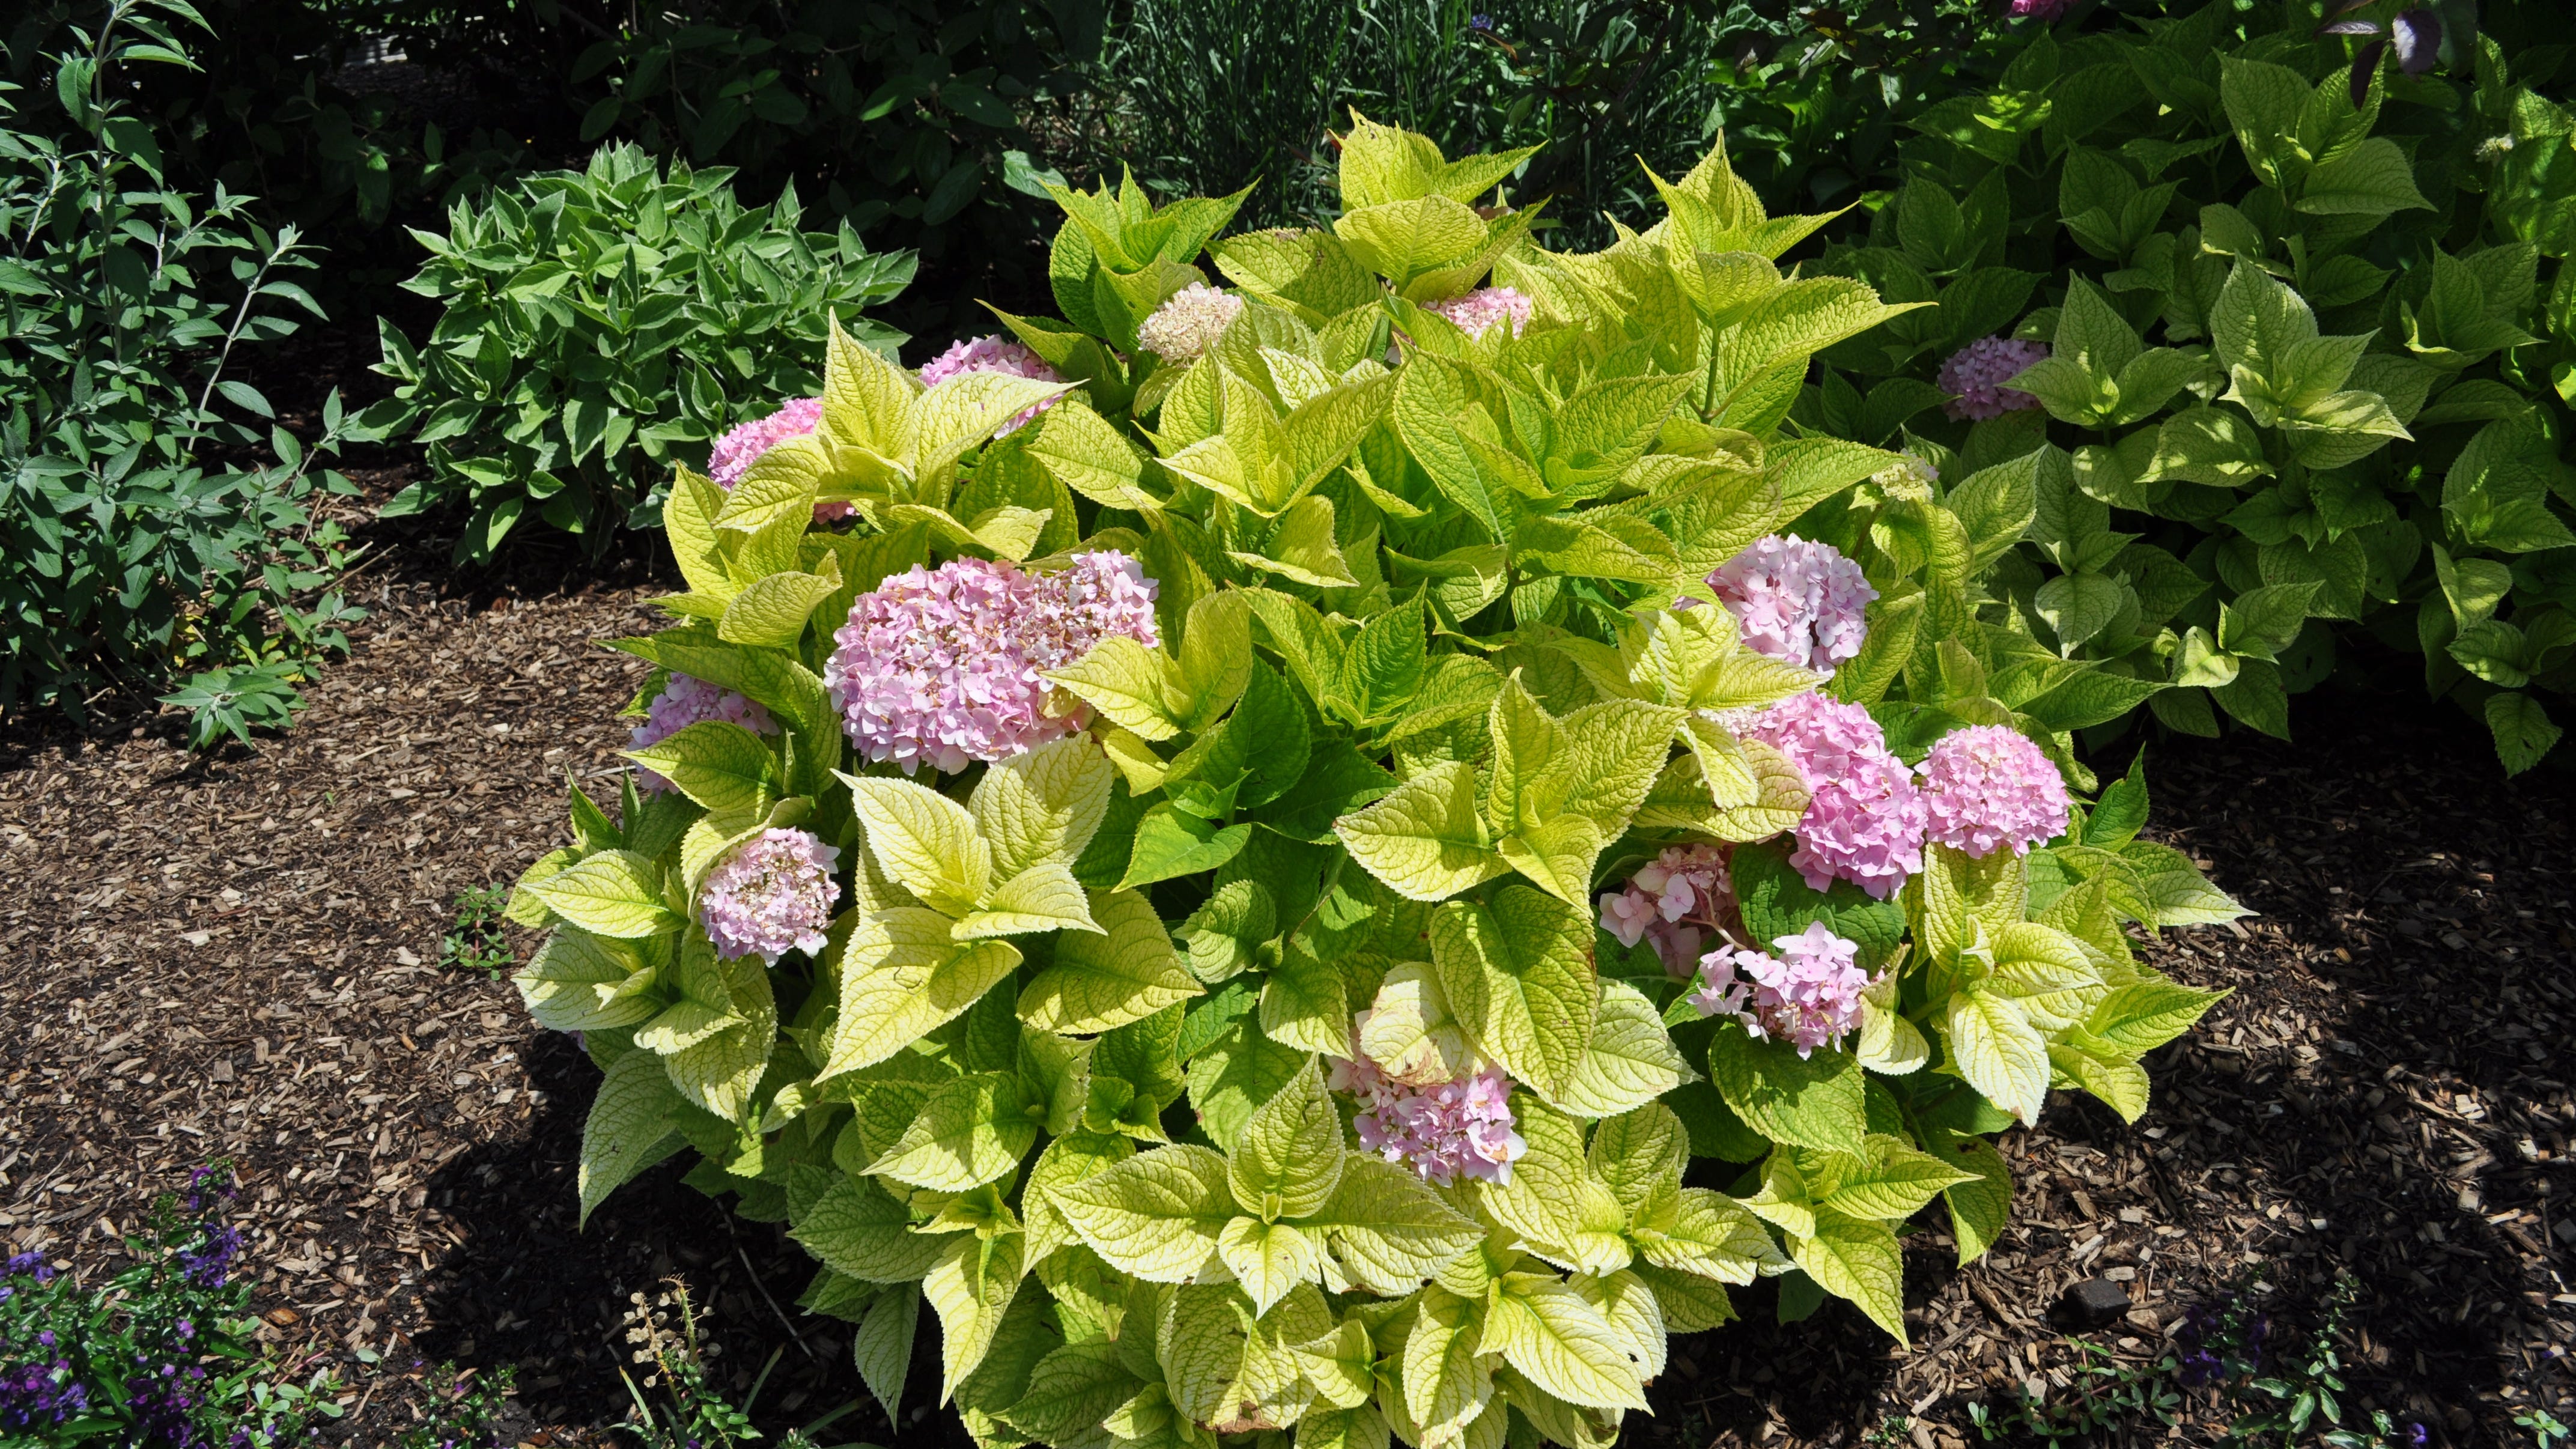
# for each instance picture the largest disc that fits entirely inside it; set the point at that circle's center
(1436, 662)
(596, 323)
(2311, 353)
(155, 517)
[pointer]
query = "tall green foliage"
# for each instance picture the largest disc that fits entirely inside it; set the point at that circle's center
(1426, 676)
(598, 324)
(2314, 342)
(155, 520)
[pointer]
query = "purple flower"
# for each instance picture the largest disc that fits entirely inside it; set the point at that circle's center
(742, 445)
(947, 666)
(1864, 819)
(992, 354)
(1975, 376)
(1674, 901)
(1480, 22)
(1478, 311)
(774, 893)
(2046, 12)
(1808, 995)
(1445, 1131)
(2417, 1436)
(1799, 602)
(1987, 788)
(685, 701)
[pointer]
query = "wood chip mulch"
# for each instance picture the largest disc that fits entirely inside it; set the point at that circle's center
(237, 957)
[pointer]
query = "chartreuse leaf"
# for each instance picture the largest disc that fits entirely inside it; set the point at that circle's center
(1155, 1215)
(1043, 804)
(1269, 1258)
(1130, 683)
(1561, 1342)
(1555, 1204)
(632, 1125)
(1888, 1180)
(721, 766)
(615, 893)
(1856, 1259)
(1425, 838)
(1071, 1158)
(971, 1286)
(969, 1133)
(1287, 1160)
(924, 841)
(1518, 973)
(904, 975)
(1126, 973)
(1630, 1061)
(1387, 1228)
(1997, 1049)
(1711, 1235)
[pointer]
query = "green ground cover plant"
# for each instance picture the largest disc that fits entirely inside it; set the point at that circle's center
(1184, 840)
(598, 324)
(2282, 312)
(156, 522)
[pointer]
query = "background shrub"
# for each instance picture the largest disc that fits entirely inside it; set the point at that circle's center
(598, 324)
(155, 518)
(2226, 515)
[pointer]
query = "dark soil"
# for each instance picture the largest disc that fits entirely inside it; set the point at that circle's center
(238, 957)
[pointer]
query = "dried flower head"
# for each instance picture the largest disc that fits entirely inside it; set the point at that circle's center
(1189, 322)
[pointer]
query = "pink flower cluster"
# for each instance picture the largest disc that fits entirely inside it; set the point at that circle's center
(1864, 820)
(1808, 995)
(1445, 1131)
(1975, 376)
(1478, 311)
(742, 445)
(1987, 787)
(1675, 900)
(992, 353)
(1795, 601)
(945, 666)
(685, 701)
(773, 894)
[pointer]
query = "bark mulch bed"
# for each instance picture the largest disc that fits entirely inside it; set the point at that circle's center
(237, 957)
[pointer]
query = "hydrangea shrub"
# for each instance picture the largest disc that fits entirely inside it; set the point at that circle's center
(1345, 879)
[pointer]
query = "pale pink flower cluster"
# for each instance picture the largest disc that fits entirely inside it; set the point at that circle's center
(685, 701)
(1675, 901)
(774, 893)
(1799, 602)
(742, 445)
(1864, 819)
(1987, 787)
(1478, 311)
(993, 353)
(1808, 995)
(945, 666)
(1444, 1131)
(1189, 322)
(1975, 376)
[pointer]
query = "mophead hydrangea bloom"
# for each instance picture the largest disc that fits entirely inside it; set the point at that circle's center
(946, 666)
(993, 353)
(1808, 995)
(742, 445)
(1478, 311)
(772, 894)
(1799, 602)
(1864, 819)
(1189, 322)
(685, 701)
(1677, 900)
(1988, 788)
(1975, 376)
(1445, 1131)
